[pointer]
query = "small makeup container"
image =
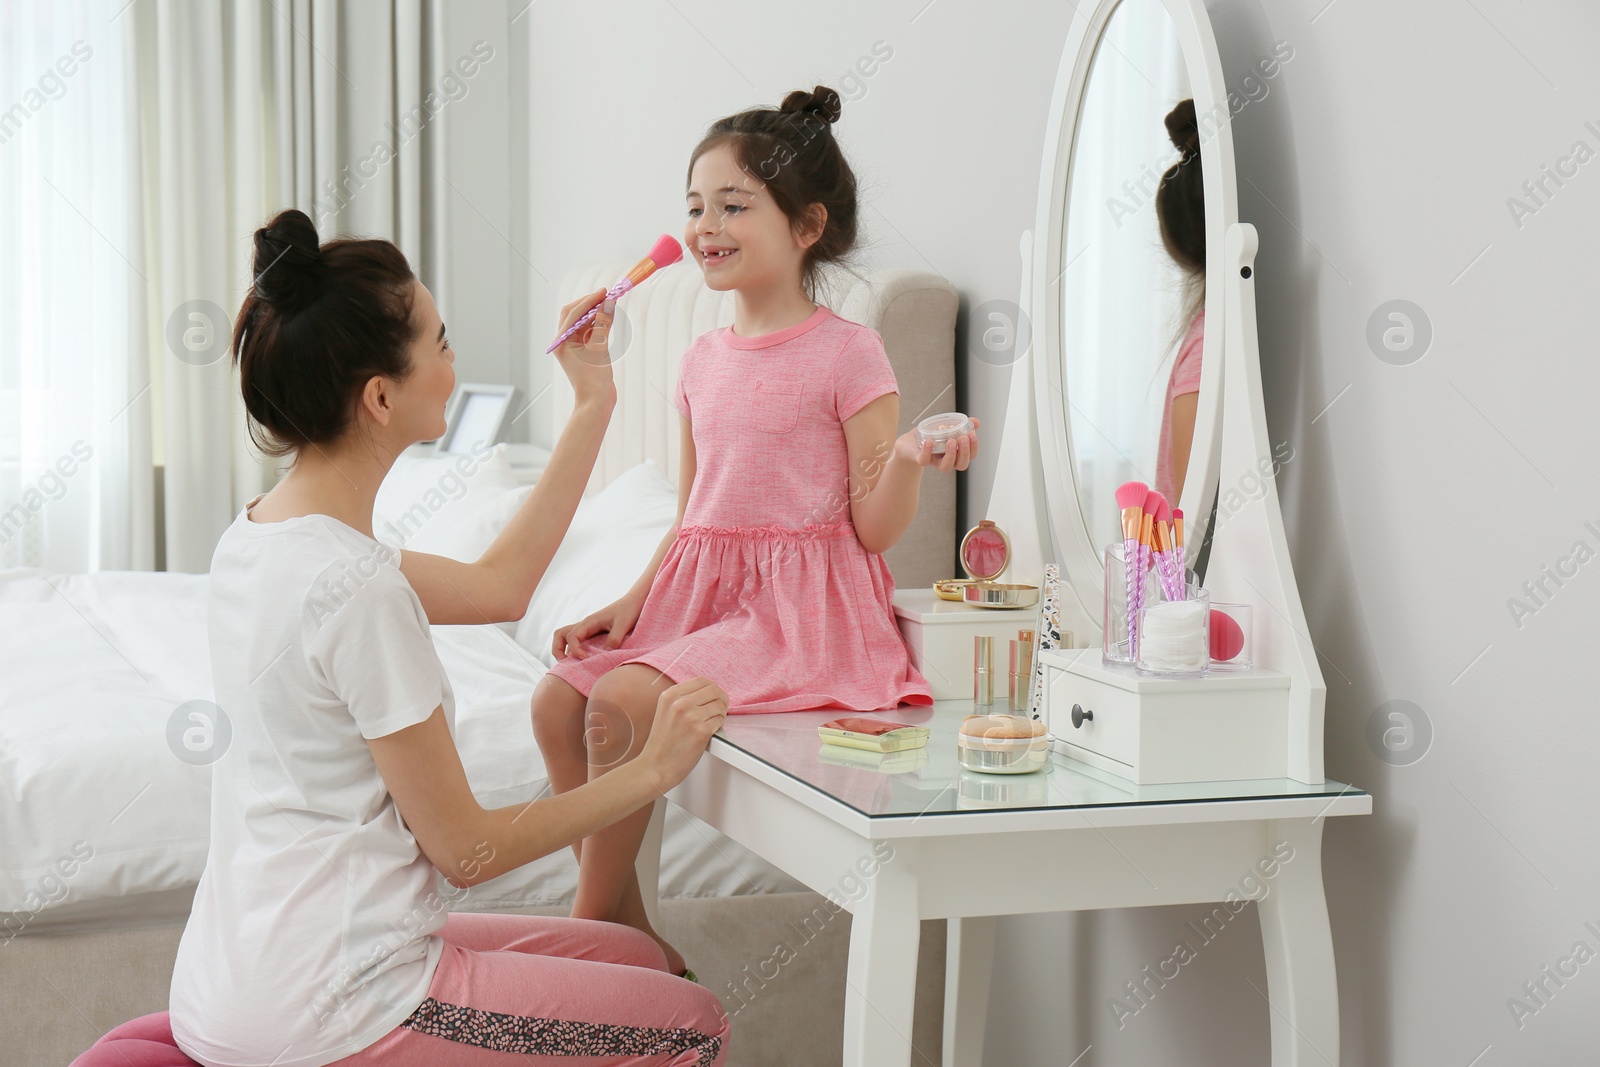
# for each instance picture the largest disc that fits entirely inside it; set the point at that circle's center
(985, 554)
(1002, 744)
(1175, 636)
(983, 670)
(942, 429)
(1231, 637)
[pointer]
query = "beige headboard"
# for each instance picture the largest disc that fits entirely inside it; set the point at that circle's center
(914, 312)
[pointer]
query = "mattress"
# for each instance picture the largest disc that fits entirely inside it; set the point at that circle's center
(103, 821)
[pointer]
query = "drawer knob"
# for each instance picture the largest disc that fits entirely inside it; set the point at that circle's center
(1079, 715)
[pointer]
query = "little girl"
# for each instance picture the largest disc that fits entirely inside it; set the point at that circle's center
(1181, 212)
(792, 485)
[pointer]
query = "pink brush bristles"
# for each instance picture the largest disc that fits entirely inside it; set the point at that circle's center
(1132, 495)
(666, 252)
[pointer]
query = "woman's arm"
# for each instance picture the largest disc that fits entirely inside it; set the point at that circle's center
(1180, 438)
(885, 477)
(469, 844)
(499, 585)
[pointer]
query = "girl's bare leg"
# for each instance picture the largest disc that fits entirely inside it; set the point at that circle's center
(621, 709)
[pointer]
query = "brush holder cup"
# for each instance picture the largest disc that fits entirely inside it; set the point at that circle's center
(1115, 649)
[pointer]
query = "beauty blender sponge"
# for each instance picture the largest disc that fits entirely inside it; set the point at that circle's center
(1227, 638)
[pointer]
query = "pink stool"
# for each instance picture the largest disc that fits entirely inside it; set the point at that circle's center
(143, 1042)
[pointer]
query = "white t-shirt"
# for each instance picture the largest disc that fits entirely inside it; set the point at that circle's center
(313, 928)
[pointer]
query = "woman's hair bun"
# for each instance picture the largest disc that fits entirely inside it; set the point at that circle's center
(288, 263)
(821, 101)
(1183, 129)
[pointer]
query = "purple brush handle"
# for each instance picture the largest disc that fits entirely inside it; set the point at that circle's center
(1132, 557)
(588, 316)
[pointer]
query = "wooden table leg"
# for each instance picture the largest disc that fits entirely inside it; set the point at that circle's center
(968, 964)
(1302, 992)
(881, 979)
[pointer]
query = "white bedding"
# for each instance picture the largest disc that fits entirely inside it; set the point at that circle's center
(96, 808)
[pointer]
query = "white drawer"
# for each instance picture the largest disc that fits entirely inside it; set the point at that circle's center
(1108, 725)
(1156, 731)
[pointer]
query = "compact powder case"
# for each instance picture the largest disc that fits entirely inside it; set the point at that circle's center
(1002, 744)
(985, 554)
(941, 429)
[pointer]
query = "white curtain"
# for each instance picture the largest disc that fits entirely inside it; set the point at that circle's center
(76, 485)
(248, 107)
(130, 201)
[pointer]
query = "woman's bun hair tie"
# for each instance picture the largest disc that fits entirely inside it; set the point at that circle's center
(822, 102)
(288, 262)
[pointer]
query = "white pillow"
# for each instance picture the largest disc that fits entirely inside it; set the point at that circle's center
(424, 500)
(609, 544)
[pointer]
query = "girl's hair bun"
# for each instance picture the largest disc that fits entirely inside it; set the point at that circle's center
(1184, 129)
(288, 265)
(821, 101)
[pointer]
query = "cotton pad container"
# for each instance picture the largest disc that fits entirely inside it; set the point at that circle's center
(942, 429)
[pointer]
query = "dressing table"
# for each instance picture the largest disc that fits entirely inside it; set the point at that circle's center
(1240, 817)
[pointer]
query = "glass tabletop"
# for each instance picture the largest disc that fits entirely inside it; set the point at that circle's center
(930, 781)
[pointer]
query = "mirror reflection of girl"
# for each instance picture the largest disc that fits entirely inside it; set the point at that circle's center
(1181, 209)
(792, 483)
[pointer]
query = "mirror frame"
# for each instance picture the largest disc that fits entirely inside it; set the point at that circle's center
(1075, 547)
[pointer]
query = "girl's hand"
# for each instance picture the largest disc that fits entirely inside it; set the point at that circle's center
(616, 619)
(586, 355)
(959, 452)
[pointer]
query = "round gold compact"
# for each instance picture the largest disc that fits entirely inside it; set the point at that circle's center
(985, 554)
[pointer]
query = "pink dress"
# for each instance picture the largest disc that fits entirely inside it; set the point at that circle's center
(767, 591)
(1185, 378)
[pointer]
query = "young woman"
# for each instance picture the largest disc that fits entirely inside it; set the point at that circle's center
(317, 934)
(792, 484)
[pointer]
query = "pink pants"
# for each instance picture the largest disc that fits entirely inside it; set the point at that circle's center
(526, 990)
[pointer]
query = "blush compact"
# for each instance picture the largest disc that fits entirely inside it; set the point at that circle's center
(942, 429)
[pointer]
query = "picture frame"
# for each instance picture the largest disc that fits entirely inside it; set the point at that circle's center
(477, 412)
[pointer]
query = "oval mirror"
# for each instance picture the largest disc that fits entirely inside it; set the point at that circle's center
(1136, 195)
(1128, 301)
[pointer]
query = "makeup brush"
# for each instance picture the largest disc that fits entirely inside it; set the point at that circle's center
(666, 252)
(1161, 544)
(1177, 545)
(1130, 498)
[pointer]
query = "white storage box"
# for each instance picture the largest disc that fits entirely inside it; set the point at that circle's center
(1156, 731)
(939, 634)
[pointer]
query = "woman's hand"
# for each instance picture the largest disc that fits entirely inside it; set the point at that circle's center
(687, 715)
(959, 452)
(616, 618)
(585, 357)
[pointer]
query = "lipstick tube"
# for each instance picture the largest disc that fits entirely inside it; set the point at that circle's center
(983, 670)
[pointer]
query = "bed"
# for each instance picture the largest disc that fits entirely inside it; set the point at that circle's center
(107, 726)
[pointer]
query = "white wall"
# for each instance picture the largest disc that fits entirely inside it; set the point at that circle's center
(1377, 168)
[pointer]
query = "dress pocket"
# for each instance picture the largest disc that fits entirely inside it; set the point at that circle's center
(775, 406)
